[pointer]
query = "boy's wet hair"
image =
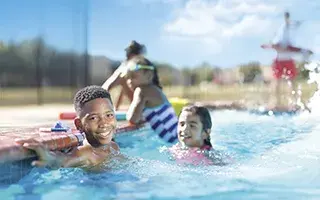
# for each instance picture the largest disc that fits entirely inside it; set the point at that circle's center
(135, 48)
(87, 94)
(204, 116)
(141, 60)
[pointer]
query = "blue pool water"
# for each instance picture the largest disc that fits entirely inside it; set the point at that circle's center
(273, 158)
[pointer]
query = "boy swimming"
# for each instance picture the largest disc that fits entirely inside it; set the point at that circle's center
(96, 119)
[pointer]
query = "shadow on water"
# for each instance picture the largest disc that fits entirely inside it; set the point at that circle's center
(11, 173)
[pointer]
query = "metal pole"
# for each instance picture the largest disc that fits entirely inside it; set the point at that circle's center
(72, 68)
(73, 80)
(39, 65)
(87, 72)
(39, 72)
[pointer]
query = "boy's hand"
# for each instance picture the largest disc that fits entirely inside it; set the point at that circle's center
(45, 156)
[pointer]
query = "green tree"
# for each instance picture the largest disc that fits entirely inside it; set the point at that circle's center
(250, 71)
(168, 74)
(303, 72)
(203, 72)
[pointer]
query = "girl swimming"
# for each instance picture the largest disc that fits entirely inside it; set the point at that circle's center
(149, 102)
(194, 147)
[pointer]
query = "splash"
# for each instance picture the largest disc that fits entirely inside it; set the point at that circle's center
(314, 77)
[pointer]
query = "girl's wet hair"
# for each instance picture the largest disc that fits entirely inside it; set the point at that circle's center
(155, 79)
(143, 61)
(204, 116)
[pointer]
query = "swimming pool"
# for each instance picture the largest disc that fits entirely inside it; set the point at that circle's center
(273, 158)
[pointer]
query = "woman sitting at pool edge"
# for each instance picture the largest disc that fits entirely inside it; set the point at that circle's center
(149, 102)
(134, 49)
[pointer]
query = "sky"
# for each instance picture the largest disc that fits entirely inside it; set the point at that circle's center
(224, 33)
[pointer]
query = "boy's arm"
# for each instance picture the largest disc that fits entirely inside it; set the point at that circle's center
(47, 158)
(117, 153)
(134, 114)
(77, 158)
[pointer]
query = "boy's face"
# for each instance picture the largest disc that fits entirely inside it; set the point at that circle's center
(190, 130)
(97, 120)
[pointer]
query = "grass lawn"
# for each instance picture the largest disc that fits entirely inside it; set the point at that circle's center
(251, 93)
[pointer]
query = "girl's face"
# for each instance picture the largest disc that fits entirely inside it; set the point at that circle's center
(190, 130)
(139, 78)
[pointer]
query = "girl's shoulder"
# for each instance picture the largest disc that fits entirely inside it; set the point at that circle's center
(153, 96)
(149, 89)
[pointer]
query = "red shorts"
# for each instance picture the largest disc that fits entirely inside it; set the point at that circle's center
(284, 69)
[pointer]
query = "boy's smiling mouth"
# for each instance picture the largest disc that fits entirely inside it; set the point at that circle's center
(106, 132)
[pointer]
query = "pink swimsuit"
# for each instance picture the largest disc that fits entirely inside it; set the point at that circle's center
(193, 156)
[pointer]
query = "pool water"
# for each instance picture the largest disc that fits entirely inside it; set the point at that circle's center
(274, 157)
